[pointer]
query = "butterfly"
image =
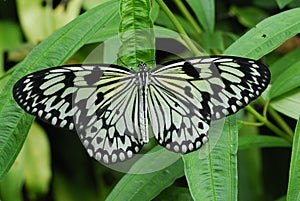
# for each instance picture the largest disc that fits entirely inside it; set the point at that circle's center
(110, 106)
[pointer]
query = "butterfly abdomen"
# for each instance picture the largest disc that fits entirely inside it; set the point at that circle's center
(143, 82)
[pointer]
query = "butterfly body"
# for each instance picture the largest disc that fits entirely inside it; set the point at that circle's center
(109, 106)
(143, 85)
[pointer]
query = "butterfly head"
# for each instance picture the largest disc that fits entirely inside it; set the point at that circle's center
(142, 66)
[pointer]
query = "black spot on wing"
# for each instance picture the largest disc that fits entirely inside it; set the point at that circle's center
(94, 76)
(100, 97)
(200, 125)
(187, 91)
(190, 70)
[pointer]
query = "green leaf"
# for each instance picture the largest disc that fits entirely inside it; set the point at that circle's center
(288, 80)
(294, 182)
(212, 41)
(136, 31)
(283, 3)
(162, 32)
(54, 51)
(89, 4)
(205, 13)
(147, 179)
(164, 21)
(282, 64)
(267, 35)
(248, 16)
(110, 30)
(288, 104)
(260, 141)
(215, 177)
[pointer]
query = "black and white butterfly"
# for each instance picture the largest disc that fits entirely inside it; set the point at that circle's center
(109, 105)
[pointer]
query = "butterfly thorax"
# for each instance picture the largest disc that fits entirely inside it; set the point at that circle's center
(142, 84)
(142, 75)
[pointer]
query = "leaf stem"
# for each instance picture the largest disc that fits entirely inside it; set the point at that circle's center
(257, 124)
(178, 26)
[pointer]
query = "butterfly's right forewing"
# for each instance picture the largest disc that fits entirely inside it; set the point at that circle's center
(100, 102)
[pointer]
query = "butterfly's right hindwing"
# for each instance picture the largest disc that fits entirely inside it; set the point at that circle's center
(95, 100)
(47, 94)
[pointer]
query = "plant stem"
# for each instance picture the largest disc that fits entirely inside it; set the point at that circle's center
(178, 26)
(188, 16)
(278, 119)
(269, 124)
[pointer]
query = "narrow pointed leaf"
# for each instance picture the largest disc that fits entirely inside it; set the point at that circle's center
(294, 181)
(145, 184)
(215, 177)
(54, 51)
(205, 13)
(136, 29)
(267, 35)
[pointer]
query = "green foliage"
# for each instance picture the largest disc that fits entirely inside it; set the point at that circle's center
(214, 177)
(15, 126)
(230, 167)
(293, 190)
(136, 33)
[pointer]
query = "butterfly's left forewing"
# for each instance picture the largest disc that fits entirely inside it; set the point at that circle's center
(99, 101)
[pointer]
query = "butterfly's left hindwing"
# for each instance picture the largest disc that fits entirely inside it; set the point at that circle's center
(96, 100)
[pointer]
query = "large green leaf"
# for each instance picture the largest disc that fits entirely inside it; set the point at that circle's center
(267, 35)
(294, 181)
(54, 51)
(288, 104)
(284, 63)
(215, 177)
(248, 16)
(153, 173)
(288, 80)
(205, 13)
(254, 141)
